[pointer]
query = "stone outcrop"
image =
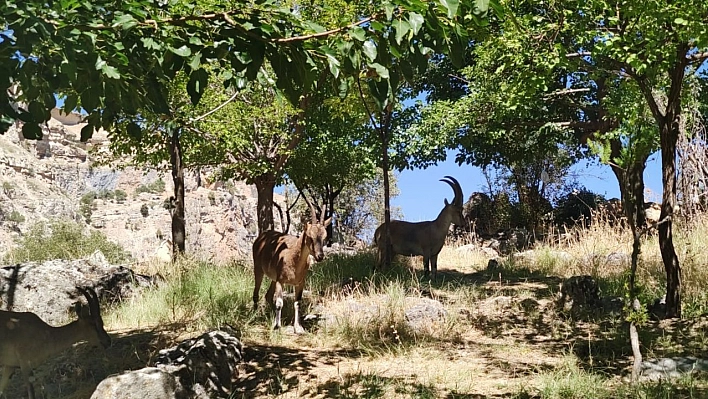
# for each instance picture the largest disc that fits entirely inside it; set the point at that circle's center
(53, 178)
(203, 367)
(48, 289)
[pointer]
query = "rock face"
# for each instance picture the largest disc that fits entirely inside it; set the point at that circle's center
(54, 178)
(49, 289)
(204, 367)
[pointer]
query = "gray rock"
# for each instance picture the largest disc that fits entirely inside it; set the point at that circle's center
(579, 293)
(147, 383)
(667, 368)
(618, 259)
(200, 368)
(48, 289)
(422, 313)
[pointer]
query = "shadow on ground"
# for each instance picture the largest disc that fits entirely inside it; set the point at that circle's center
(77, 371)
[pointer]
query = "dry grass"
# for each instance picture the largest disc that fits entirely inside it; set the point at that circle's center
(501, 338)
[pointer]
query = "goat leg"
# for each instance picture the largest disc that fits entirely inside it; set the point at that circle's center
(278, 304)
(7, 372)
(298, 297)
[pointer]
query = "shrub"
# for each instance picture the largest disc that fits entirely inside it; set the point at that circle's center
(63, 239)
(145, 210)
(577, 207)
(15, 217)
(155, 187)
(120, 195)
(88, 198)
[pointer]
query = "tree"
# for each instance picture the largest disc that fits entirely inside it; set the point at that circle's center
(656, 45)
(593, 53)
(116, 60)
(334, 154)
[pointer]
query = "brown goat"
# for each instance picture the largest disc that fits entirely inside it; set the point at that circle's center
(284, 259)
(26, 341)
(423, 238)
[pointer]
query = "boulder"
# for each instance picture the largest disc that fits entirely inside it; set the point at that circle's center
(203, 367)
(579, 293)
(422, 314)
(48, 289)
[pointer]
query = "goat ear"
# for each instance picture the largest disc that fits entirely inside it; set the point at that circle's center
(446, 203)
(327, 222)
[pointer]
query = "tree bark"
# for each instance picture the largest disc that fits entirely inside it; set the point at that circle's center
(265, 184)
(669, 135)
(669, 130)
(384, 136)
(179, 233)
(631, 183)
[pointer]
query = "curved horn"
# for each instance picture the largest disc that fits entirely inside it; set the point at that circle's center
(313, 212)
(456, 188)
(92, 299)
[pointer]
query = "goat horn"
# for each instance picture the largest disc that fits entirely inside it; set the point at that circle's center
(92, 299)
(456, 188)
(313, 212)
(322, 214)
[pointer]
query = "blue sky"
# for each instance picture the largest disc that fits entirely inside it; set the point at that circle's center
(422, 194)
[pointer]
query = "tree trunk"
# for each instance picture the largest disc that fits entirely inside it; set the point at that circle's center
(669, 135)
(384, 135)
(265, 184)
(631, 211)
(178, 224)
(631, 182)
(669, 130)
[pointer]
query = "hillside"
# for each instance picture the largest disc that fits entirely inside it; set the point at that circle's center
(53, 177)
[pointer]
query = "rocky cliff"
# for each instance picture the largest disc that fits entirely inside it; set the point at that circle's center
(57, 178)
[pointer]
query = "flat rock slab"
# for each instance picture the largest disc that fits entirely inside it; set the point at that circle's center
(665, 368)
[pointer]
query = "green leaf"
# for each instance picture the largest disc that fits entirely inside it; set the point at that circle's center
(125, 22)
(333, 65)
(680, 21)
(402, 28)
(90, 98)
(378, 26)
(358, 33)
(38, 111)
(86, 132)
(481, 7)
(389, 8)
(32, 131)
(197, 85)
(381, 70)
(370, 50)
(135, 131)
(150, 44)
(451, 6)
(196, 61)
(110, 72)
(183, 51)
(416, 22)
(315, 27)
(407, 71)
(241, 82)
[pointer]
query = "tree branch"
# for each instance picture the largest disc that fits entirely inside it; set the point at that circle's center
(215, 109)
(225, 16)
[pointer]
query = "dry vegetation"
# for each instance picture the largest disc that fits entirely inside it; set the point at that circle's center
(502, 337)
